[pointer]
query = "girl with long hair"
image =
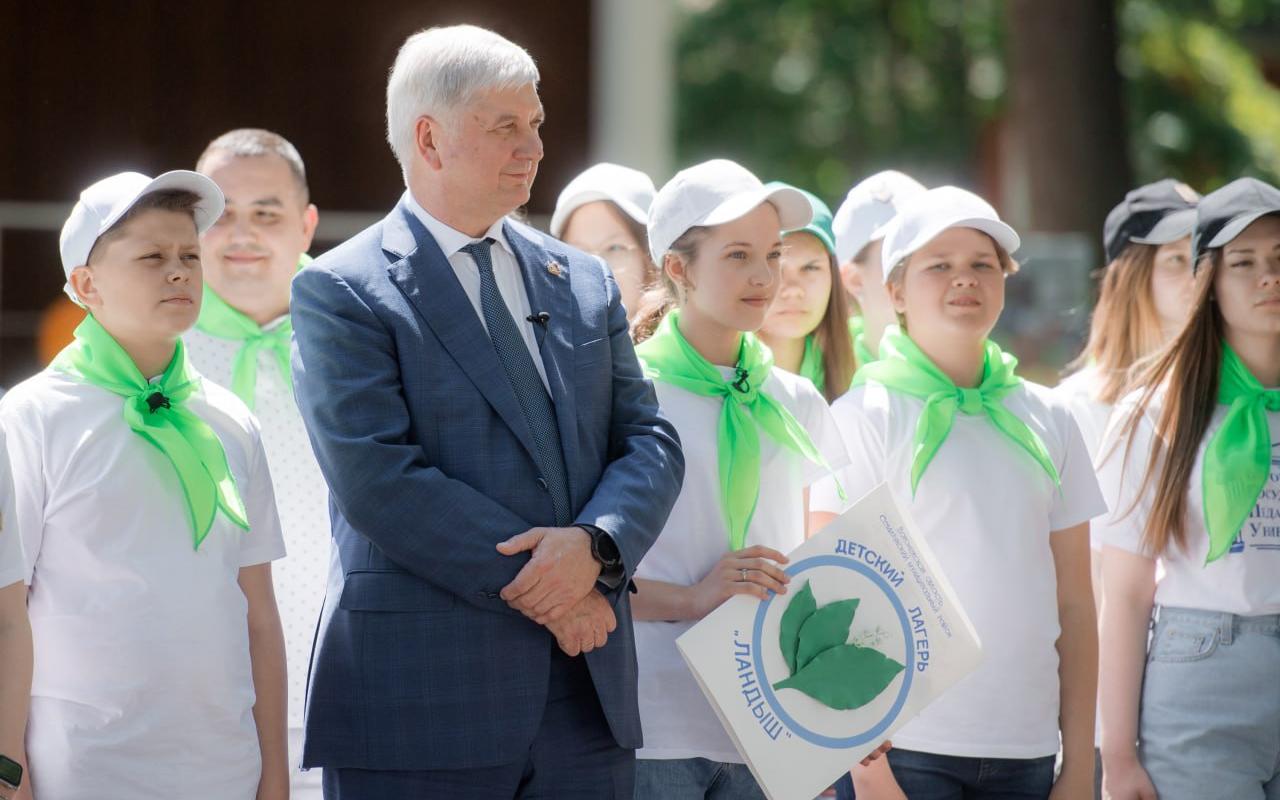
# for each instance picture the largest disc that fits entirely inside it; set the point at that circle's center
(1191, 547)
(1143, 296)
(754, 438)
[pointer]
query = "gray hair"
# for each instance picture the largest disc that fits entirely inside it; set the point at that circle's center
(250, 142)
(439, 69)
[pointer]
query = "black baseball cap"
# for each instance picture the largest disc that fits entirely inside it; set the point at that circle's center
(1158, 213)
(1225, 213)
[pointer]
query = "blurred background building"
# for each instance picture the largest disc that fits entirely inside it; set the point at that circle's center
(1050, 108)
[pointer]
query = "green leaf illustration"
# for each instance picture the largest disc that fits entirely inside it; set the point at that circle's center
(844, 677)
(826, 628)
(800, 608)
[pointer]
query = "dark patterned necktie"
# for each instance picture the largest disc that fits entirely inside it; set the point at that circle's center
(532, 395)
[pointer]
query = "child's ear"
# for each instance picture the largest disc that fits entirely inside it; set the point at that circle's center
(676, 269)
(83, 284)
(897, 296)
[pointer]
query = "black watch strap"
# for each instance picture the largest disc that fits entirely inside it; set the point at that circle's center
(10, 773)
(603, 548)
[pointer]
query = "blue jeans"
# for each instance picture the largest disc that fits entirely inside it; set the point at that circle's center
(929, 776)
(1210, 716)
(694, 779)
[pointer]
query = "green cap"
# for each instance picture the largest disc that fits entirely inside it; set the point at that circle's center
(821, 224)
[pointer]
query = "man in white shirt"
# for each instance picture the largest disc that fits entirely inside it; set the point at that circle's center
(241, 342)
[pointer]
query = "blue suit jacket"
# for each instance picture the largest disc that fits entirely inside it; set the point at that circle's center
(418, 664)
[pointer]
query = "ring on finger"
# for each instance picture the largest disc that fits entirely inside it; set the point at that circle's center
(744, 572)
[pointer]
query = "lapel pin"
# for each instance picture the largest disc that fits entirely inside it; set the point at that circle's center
(554, 268)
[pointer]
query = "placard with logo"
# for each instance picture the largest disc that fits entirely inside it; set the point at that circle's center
(809, 682)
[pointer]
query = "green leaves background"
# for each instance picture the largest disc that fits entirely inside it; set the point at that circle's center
(838, 675)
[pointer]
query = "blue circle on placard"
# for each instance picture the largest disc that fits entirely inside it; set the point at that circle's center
(767, 688)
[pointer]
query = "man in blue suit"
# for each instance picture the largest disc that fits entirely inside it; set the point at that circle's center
(498, 466)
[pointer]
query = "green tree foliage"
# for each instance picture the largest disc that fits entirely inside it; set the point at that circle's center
(823, 92)
(1200, 107)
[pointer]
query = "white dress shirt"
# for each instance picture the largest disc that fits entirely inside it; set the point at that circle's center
(505, 270)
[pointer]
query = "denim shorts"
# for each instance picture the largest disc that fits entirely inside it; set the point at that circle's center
(1210, 717)
(694, 779)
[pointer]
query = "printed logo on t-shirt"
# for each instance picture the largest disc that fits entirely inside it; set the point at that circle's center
(1261, 531)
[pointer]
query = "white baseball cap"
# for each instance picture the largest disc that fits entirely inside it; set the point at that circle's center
(105, 202)
(935, 211)
(629, 189)
(868, 208)
(713, 193)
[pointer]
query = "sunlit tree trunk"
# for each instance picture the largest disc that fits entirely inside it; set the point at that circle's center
(1069, 159)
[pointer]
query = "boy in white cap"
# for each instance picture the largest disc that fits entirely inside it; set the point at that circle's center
(604, 212)
(859, 226)
(1012, 536)
(15, 641)
(241, 341)
(148, 526)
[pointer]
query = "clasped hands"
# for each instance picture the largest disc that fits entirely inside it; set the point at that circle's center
(556, 589)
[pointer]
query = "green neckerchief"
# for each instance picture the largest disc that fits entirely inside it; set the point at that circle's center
(156, 412)
(668, 357)
(903, 367)
(1237, 460)
(857, 330)
(218, 318)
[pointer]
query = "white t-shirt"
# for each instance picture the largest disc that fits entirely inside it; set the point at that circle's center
(986, 509)
(143, 686)
(12, 569)
(302, 498)
(1078, 391)
(675, 716)
(1246, 580)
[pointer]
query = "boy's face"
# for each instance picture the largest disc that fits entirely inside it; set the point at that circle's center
(143, 282)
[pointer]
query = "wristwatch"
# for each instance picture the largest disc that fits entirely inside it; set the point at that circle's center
(10, 773)
(603, 548)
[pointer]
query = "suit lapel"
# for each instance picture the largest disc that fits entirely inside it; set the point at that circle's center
(548, 283)
(428, 281)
